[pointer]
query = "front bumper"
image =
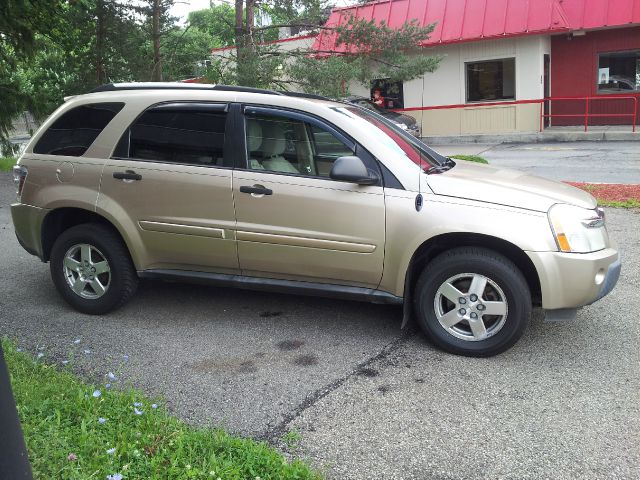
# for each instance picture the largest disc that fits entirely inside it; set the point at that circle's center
(572, 280)
(27, 221)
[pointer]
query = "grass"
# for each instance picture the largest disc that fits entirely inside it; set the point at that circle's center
(470, 158)
(60, 418)
(7, 163)
(630, 203)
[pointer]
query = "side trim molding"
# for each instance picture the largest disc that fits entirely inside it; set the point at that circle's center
(314, 289)
(181, 229)
(304, 242)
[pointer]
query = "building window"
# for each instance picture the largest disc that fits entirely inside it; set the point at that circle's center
(619, 72)
(491, 80)
(387, 94)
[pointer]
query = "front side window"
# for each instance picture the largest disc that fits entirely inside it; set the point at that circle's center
(491, 80)
(403, 144)
(177, 134)
(289, 145)
(75, 130)
(619, 72)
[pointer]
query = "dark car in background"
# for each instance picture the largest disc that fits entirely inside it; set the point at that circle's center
(406, 122)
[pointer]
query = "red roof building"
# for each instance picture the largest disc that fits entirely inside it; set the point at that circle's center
(501, 58)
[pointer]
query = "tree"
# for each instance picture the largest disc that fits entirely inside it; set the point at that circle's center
(363, 50)
(20, 23)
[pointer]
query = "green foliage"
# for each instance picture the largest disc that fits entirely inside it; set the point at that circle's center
(7, 163)
(60, 416)
(21, 21)
(470, 158)
(365, 50)
(217, 23)
(292, 440)
(629, 203)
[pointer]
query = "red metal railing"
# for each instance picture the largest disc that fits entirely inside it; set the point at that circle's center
(587, 114)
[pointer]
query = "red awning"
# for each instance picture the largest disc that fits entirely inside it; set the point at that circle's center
(472, 20)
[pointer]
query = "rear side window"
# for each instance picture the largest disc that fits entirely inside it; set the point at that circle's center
(74, 131)
(188, 134)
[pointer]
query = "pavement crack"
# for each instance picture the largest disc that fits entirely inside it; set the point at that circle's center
(274, 434)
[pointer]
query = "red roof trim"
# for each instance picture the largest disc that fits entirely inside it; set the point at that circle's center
(472, 20)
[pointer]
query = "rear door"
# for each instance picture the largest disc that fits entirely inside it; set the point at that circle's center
(294, 222)
(168, 186)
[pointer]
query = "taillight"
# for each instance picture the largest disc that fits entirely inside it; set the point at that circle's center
(19, 176)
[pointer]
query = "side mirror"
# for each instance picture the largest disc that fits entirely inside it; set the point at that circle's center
(352, 169)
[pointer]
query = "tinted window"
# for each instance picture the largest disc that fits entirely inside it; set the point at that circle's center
(385, 93)
(191, 135)
(74, 132)
(491, 80)
(290, 145)
(619, 72)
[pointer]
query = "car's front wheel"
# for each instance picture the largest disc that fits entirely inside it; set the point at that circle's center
(472, 301)
(91, 269)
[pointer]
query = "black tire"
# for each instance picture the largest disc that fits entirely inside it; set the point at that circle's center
(122, 279)
(473, 260)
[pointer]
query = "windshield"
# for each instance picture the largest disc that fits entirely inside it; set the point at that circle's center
(395, 138)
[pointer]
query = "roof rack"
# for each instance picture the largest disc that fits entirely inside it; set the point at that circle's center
(305, 95)
(114, 87)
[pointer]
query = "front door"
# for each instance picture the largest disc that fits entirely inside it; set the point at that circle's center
(169, 186)
(293, 221)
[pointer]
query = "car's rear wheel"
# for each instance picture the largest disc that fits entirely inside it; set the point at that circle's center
(91, 269)
(472, 301)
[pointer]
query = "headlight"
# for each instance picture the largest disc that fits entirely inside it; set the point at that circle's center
(578, 230)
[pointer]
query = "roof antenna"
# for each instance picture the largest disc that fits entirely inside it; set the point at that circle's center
(419, 199)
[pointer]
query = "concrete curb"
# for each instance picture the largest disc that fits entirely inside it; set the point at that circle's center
(601, 136)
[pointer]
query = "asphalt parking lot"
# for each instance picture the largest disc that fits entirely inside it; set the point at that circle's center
(599, 162)
(367, 400)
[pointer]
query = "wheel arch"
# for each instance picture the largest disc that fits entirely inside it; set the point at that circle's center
(63, 218)
(431, 248)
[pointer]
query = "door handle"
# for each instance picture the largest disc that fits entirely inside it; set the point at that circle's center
(256, 190)
(127, 175)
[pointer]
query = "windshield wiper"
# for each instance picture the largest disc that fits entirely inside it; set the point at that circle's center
(448, 164)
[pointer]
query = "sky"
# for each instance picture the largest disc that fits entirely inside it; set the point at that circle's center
(182, 7)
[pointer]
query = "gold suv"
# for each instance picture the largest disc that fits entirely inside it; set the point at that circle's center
(257, 189)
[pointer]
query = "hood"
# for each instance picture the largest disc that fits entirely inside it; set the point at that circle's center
(513, 188)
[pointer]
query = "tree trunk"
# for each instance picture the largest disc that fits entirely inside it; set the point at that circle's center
(156, 75)
(239, 25)
(241, 44)
(250, 20)
(101, 33)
